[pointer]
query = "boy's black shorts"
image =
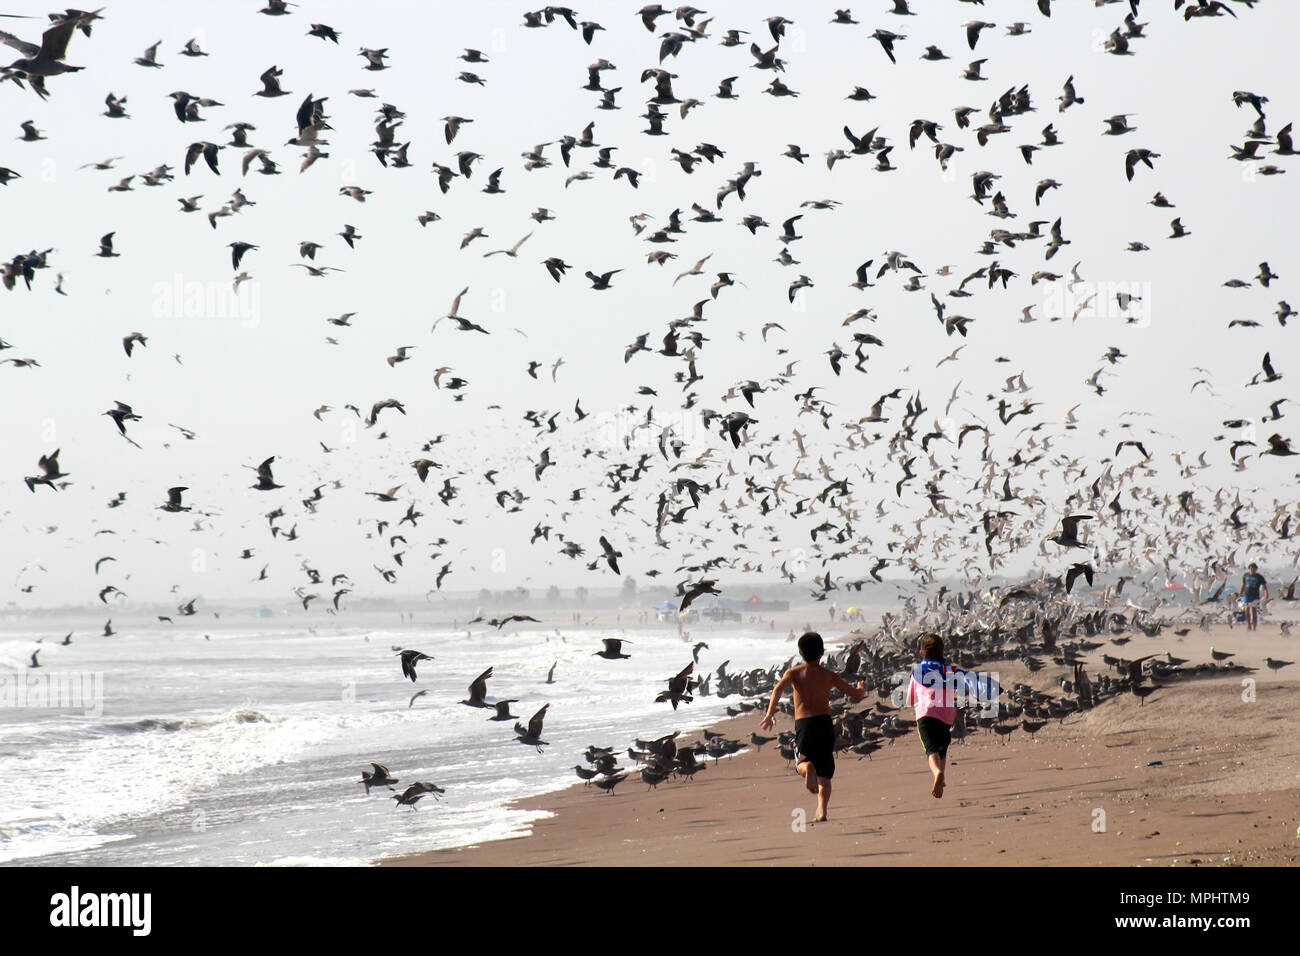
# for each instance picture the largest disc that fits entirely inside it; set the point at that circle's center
(935, 736)
(814, 739)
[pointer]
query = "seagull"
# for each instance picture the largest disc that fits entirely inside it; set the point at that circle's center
(415, 792)
(1135, 156)
(207, 150)
(1068, 535)
(503, 710)
(47, 58)
(130, 341)
(533, 733)
(237, 251)
(613, 649)
(609, 783)
(379, 778)
(556, 266)
(121, 415)
(271, 83)
(706, 586)
(611, 556)
(478, 691)
(49, 464)
(601, 281)
(174, 500)
(512, 251)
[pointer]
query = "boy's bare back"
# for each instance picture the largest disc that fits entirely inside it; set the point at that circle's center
(812, 685)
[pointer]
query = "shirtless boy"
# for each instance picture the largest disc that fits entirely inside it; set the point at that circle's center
(814, 731)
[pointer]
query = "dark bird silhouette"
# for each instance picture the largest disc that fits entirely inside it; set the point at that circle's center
(679, 687)
(412, 794)
(1073, 574)
(265, 480)
(609, 783)
(49, 464)
(705, 586)
(601, 281)
(46, 59)
(1068, 535)
(409, 660)
(478, 690)
(380, 777)
(532, 734)
(611, 556)
(613, 649)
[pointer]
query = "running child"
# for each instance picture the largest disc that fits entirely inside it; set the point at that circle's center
(932, 691)
(814, 731)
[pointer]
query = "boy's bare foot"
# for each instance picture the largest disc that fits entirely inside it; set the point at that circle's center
(937, 789)
(821, 819)
(809, 775)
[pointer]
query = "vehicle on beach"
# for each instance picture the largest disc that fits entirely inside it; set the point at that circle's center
(720, 614)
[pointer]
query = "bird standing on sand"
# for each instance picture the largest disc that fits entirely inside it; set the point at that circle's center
(609, 783)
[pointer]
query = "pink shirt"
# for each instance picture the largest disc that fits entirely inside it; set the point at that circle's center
(934, 693)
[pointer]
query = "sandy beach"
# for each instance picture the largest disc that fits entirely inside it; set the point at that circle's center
(1197, 775)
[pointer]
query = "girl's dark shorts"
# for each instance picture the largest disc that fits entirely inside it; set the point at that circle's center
(935, 736)
(814, 739)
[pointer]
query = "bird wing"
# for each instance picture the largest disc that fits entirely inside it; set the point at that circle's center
(535, 725)
(478, 689)
(54, 42)
(22, 46)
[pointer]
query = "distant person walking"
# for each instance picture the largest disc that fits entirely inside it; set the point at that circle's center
(814, 731)
(1252, 583)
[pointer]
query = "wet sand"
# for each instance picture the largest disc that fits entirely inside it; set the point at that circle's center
(1082, 791)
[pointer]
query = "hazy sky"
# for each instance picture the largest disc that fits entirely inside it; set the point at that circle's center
(252, 370)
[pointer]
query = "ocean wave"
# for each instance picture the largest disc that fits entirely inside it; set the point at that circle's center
(163, 725)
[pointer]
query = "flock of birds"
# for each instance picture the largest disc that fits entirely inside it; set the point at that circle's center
(982, 631)
(727, 501)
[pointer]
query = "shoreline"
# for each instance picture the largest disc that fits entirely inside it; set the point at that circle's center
(1223, 791)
